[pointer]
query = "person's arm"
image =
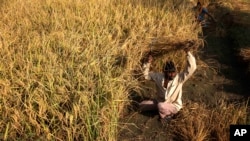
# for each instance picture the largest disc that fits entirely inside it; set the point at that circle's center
(146, 67)
(190, 68)
(148, 75)
(208, 14)
(146, 70)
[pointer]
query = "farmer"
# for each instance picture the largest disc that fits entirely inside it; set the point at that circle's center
(169, 87)
(201, 13)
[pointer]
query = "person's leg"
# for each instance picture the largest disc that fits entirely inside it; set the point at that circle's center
(166, 109)
(148, 105)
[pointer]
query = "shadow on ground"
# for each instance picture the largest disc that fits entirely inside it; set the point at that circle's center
(225, 48)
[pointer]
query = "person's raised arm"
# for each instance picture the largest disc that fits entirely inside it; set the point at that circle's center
(191, 66)
(146, 67)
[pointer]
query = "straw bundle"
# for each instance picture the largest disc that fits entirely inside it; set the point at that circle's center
(159, 48)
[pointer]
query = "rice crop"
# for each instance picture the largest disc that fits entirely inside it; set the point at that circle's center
(66, 66)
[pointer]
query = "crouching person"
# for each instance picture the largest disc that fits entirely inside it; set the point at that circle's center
(169, 86)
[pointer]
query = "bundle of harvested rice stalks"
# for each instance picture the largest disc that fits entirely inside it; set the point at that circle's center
(160, 48)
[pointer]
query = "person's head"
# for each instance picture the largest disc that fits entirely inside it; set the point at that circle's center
(169, 70)
(198, 6)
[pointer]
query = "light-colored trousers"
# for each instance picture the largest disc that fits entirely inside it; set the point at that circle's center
(165, 109)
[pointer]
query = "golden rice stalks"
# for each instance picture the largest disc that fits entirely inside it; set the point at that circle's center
(198, 122)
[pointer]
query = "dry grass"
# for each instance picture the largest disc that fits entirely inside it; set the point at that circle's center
(199, 122)
(66, 67)
(60, 74)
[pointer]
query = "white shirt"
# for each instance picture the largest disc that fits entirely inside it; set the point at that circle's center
(173, 92)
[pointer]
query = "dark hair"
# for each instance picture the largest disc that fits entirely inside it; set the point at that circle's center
(198, 3)
(169, 67)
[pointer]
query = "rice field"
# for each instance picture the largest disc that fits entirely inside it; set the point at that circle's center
(67, 67)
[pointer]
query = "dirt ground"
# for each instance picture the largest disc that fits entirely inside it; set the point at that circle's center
(219, 75)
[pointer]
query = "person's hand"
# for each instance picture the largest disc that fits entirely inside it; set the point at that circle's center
(188, 46)
(186, 49)
(150, 59)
